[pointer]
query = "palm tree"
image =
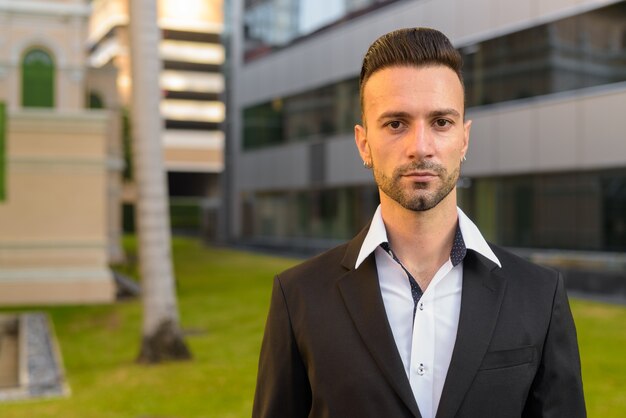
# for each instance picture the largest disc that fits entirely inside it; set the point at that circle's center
(162, 337)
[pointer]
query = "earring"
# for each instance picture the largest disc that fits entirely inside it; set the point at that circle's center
(464, 158)
(367, 164)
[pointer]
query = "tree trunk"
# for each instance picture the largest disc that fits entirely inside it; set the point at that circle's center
(162, 337)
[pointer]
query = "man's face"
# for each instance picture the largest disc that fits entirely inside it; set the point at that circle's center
(414, 134)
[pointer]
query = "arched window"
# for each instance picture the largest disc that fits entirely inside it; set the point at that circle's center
(37, 79)
(94, 100)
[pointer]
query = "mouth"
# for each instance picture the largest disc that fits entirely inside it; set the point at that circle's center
(421, 176)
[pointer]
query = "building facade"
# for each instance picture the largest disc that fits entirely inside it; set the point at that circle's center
(192, 84)
(545, 88)
(60, 221)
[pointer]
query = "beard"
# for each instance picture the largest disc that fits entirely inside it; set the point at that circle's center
(416, 196)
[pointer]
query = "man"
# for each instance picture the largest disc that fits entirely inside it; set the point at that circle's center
(417, 316)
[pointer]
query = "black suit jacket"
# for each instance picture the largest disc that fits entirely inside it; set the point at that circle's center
(328, 349)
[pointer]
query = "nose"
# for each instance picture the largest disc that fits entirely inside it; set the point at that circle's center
(420, 142)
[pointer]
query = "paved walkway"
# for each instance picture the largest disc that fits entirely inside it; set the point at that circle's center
(30, 364)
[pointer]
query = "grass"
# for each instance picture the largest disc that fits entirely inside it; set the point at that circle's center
(223, 300)
(602, 341)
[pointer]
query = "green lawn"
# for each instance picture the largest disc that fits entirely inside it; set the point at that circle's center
(223, 297)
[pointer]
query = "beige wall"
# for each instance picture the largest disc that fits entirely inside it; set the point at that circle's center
(60, 224)
(102, 81)
(54, 223)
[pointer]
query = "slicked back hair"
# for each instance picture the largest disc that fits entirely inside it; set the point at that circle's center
(411, 47)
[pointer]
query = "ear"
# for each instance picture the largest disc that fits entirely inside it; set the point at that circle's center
(360, 137)
(466, 136)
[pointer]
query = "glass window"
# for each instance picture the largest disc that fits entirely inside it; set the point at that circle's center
(37, 79)
(575, 211)
(337, 213)
(614, 211)
(569, 211)
(263, 125)
(273, 24)
(316, 114)
(572, 53)
(94, 100)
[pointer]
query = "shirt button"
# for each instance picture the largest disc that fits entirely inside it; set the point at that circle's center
(421, 369)
(421, 306)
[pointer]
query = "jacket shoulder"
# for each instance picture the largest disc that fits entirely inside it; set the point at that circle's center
(516, 267)
(325, 265)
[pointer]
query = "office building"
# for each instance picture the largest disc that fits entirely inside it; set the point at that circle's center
(191, 106)
(545, 87)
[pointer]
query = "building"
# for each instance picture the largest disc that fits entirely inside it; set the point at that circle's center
(191, 106)
(60, 163)
(546, 89)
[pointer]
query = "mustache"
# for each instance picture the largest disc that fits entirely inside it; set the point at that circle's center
(419, 166)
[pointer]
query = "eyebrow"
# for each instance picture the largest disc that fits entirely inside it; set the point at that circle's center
(406, 115)
(444, 112)
(394, 115)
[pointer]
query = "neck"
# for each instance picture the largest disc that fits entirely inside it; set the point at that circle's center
(421, 240)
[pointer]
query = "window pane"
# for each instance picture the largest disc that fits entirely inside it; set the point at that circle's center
(572, 211)
(272, 24)
(316, 114)
(263, 125)
(37, 79)
(572, 53)
(95, 101)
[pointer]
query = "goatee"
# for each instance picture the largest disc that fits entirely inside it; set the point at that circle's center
(416, 196)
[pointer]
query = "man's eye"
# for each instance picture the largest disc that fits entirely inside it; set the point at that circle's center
(442, 123)
(395, 124)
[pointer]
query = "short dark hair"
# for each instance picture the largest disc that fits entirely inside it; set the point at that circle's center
(410, 47)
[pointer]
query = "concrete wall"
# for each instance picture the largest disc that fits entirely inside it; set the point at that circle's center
(578, 130)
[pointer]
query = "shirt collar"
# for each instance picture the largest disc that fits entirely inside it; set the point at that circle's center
(377, 234)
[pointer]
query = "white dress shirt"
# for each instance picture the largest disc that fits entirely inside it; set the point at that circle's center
(425, 343)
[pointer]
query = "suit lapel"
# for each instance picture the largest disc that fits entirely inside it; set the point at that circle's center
(361, 294)
(480, 304)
